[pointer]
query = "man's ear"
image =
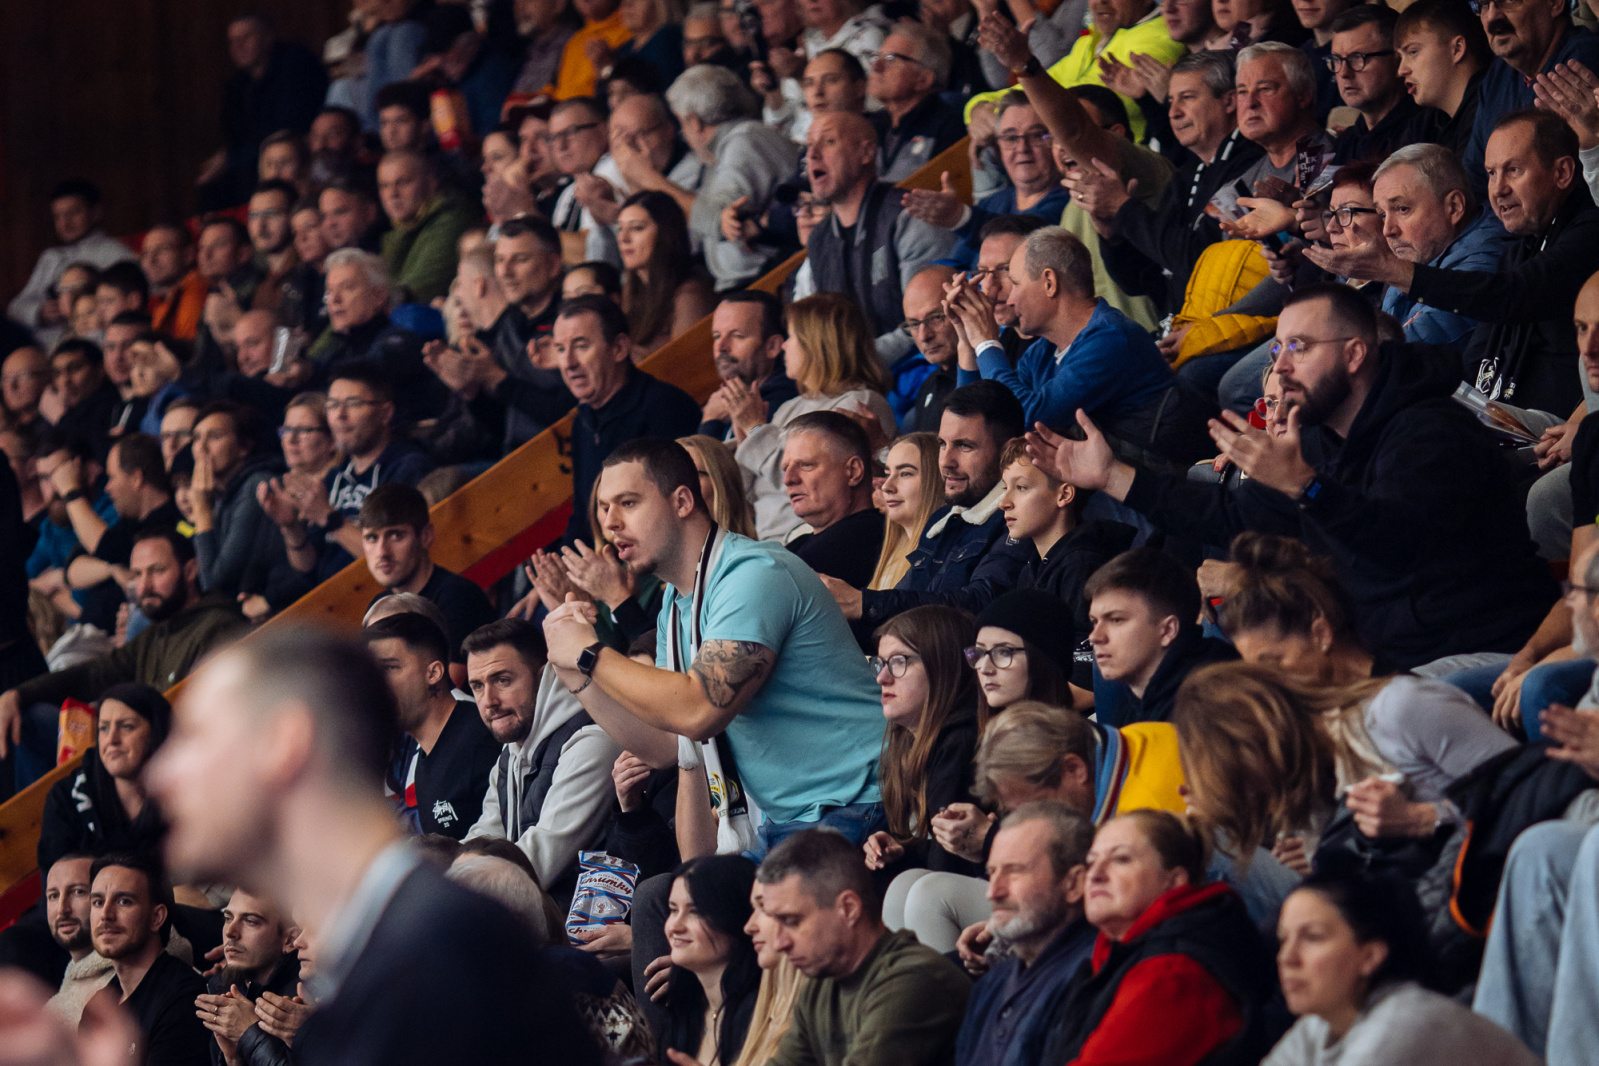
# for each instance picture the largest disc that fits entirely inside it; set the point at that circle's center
(158, 917)
(1356, 353)
(191, 572)
(426, 536)
(291, 933)
(1170, 628)
(1565, 171)
(849, 906)
(436, 672)
(623, 351)
(857, 470)
(1229, 101)
(1076, 884)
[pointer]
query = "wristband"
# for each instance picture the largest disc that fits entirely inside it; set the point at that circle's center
(983, 346)
(587, 681)
(73, 496)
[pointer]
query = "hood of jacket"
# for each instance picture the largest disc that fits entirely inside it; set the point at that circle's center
(1175, 901)
(553, 705)
(1407, 375)
(254, 465)
(1191, 650)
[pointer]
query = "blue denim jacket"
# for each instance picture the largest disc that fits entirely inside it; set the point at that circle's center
(1479, 247)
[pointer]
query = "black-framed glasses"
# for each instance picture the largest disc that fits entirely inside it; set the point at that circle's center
(560, 140)
(896, 665)
(353, 404)
(932, 321)
(1357, 60)
(1002, 655)
(1298, 346)
(1568, 587)
(1345, 215)
(1037, 138)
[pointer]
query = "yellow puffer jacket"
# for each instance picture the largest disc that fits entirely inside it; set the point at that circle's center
(1140, 768)
(1081, 65)
(1224, 274)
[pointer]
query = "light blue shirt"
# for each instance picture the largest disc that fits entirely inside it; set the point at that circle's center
(810, 738)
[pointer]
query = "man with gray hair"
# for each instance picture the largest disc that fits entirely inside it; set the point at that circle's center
(1088, 357)
(1276, 102)
(906, 77)
(1037, 937)
(827, 473)
(359, 330)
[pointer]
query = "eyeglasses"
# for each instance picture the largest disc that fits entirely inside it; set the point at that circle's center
(1345, 215)
(294, 433)
(333, 406)
(1357, 60)
(872, 58)
(932, 321)
(1479, 6)
(1568, 587)
(561, 139)
(1001, 654)
(1298, 346)
(1040, 138)
(896, 665)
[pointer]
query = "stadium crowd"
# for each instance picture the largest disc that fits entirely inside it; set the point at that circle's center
(1110, 618)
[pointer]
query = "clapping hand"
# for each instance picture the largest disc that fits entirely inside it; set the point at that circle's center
(943, 209)
(1085, 464)
(550, 580)
(881, 849)
(599, 574)
(1275, 461)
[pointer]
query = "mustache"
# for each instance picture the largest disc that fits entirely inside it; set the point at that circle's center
(1500, 25)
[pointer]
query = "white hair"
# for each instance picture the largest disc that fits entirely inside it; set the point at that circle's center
(505, 883)
(1297, 70)
(712, 94)
(371, 266)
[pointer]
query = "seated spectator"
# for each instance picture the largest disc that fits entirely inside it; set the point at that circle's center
(257, 957)
(906, 77)
(1352, 958)
(1033, 183)
(1102, 363)
(334, 141)
(1049, 513)
(24, 377)
(578, 138)
(868, 222)
(997, 243)
(602, 27)
(351, 216)
(177, 289)
(1023, 651)
(711, 993)
(1443, 57)
(424, 224)
(722, 484)
(1332, 384)
(593, 278)
(748, 329)
(780, 985)
(90, 401)
(1193, 977)
(57, 538)
(233, 537)
(75, 213)
(184, 626)
(122, 287)
(933, 330)
(226, 259)
(1523, 349)
(912, 490)
(828, 355)
(302, 306)
(551, 788)
(177, 428)
(439, 773)
(662, 292)
(872, 994)
(934, 719)
(827, 472)
(1389, 118)
(130, 903)
(272, 237)
(616, 401)
(359, 329)
(964, 558)
(831, 80)
(66, 906)
(1037, 930)
(1144, 609)
(284, 157)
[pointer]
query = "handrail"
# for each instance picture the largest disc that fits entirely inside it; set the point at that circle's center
(482, 530)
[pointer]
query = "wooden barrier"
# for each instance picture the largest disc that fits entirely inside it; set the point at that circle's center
(482, 530)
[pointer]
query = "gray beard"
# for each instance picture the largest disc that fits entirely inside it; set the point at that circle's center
(1029, 928)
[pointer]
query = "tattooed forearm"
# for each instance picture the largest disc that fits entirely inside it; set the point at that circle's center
(731, 669)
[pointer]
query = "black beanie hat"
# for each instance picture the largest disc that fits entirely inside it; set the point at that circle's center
(1043, 620)
(148, 704)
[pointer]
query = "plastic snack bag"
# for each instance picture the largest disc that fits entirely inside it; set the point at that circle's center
(604, 891)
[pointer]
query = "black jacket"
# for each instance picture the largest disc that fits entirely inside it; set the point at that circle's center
(260, 1049)
(1407, 123)
(243, 548)
(1066, 569)
(957, 563)
(418, 393)
(1191, 650)
(923, 132)
(847, 550)
(170, 1033)
(1418, 511)
(83, 813)
(927, 409)
(947, 779)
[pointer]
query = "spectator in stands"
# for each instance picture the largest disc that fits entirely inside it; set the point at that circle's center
(1276, 105)
(1143, 607)
(233, 538)
(1023, 651)
(359, 328)
(177, 428)
(577, 140)
(906, 77)
(184, 626)
(439, 773)
(827, 472)
(273, 239)
(75, 212)
(1366, 65)
(747, 336)
(1033, 187)
(711, 993)
(334, 141)
(226, 259)
(24, 377)
(663, 293)
(793, 668)
(403, 117)
(831, 80)
(1146, 870)
(911, 492)
(130, 903)
(350, 216)
(933, 330)
(1332, 385)
(617, 402)
(872, 994)
(527, 262)
(550, 791)
(964, 558)
(1524, 346)
(321, 829)
(257, 957)
(1443, 55)
(302, 290)
(604, 29)
(868, 221)
(828, 354)
(424, 225)
(1035, 882)
(57, 540)
(177, 290)
(121, 287)
(396, 537)
(66, 904)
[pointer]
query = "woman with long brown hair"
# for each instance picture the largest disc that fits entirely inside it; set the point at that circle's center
(912, 491)
(663, 293)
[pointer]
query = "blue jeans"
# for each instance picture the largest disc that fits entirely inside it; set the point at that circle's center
(1241, 386)
(1204, 373)
(1561, 682)
(857, 821)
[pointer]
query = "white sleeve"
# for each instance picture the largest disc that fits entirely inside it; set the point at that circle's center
(1589, 158)
(576, 805)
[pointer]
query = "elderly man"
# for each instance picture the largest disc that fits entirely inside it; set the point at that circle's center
(577, 140)
(645, 149)
(424, 226)
(24, 375)
(827, 473)
(747, 334)
(905, 77)
(931, 327)
(1524, 352)
(870, 247)
(359, 329)
(1276, 106)
(1367, 68)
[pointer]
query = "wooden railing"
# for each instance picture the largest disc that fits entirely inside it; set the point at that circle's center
(482, 530)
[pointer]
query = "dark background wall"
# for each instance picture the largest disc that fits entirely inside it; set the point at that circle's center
(123, 92)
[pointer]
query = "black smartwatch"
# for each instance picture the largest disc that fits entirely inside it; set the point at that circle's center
(1031, 69)
(589, 658)
(73, 496)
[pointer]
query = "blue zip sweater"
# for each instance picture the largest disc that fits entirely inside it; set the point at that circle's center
(1479, 247)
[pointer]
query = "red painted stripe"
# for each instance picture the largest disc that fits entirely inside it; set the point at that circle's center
(18, 898)
(502, 560)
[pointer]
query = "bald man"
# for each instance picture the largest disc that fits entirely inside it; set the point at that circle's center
(24, 376)
(846, 257)
(934, 336)
(425, 225)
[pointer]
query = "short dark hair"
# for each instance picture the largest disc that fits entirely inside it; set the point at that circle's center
(417, 632)
(1164, 582)
(842, 429)
(606, 276)
(141, 453)
(1384, 18)
(592, 104)
(853, 70)
(60, 439)
(414, 96)
(525, 638)
(242, 418)
(1110, 106)
(241, 233)
(666, 463)
(185, 238)
(1352, 310)
(773, 323)
(182, 547)
(1377, 907)
(613, 322)
(82, 188)
(289, 193)
(142, 320)
(80, 346)
(827, 864)
(368, 373)
(999, 408)
(394, 505)
(1450, 19)
(1011, 226)
(126, 277)
(351, 119)
(155, 878)
(1552, 136)
(542, 232)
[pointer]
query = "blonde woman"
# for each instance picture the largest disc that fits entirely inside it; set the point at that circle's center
(781, 984)
(911, 493)
(721, 483)
(831, 355)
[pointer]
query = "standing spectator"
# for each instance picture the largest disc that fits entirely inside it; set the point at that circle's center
(827, 472)
(424, 226)
(177, 290)
(75, 212)
(906, 78)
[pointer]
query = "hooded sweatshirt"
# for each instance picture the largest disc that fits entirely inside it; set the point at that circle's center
(237, 553)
